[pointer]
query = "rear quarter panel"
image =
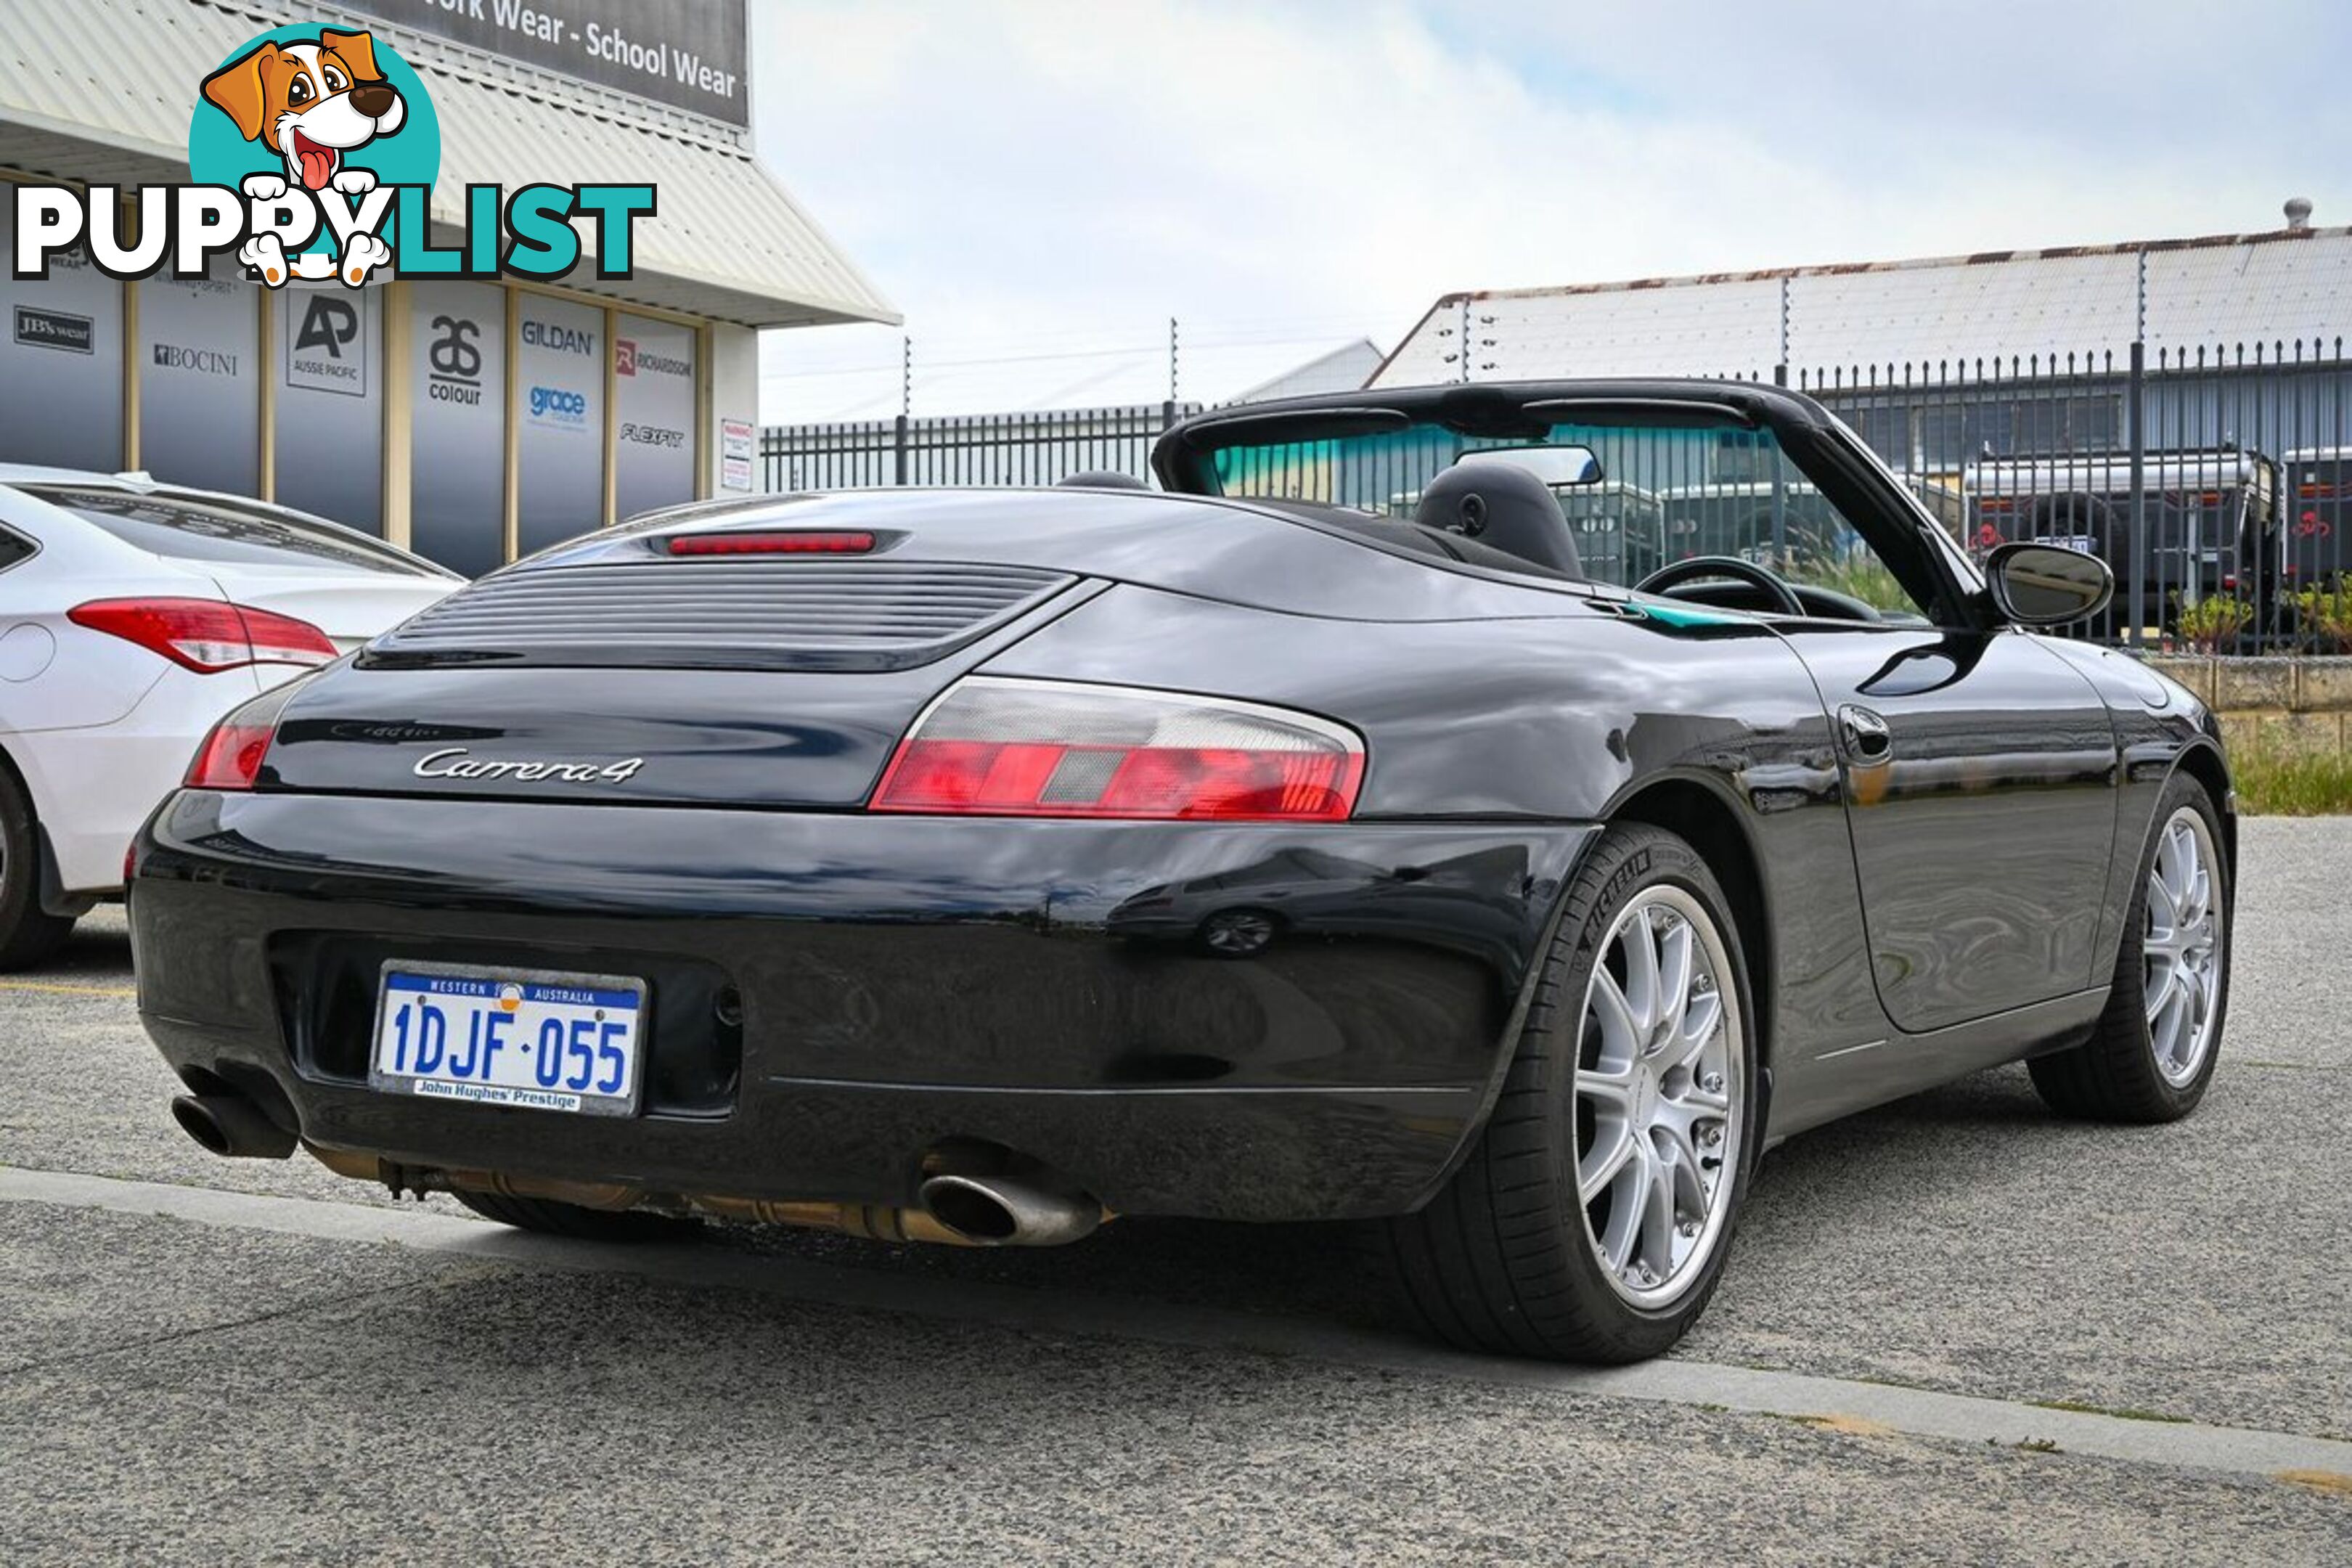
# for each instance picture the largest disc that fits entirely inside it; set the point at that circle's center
(350, 606)
(55, 674)
(1564, 713)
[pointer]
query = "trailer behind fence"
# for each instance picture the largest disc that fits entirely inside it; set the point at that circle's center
(2213, 481)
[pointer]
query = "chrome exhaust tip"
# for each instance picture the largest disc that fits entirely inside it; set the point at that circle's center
(998, 1211)
(231, 1126)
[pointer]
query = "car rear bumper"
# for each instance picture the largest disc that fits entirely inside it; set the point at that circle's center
(900, 982)
(93, 786)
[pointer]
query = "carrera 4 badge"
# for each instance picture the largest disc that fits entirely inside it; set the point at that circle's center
(454, 762)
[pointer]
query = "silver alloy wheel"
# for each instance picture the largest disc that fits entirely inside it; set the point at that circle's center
(1238, 933)
(1660, 1097)
(2181, 970)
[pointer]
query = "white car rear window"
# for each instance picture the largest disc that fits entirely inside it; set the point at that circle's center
(187, 528)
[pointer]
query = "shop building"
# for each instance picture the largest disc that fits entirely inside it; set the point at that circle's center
(471, 421)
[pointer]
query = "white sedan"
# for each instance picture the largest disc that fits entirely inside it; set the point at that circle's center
(132, 615)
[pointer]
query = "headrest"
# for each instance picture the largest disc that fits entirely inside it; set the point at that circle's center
(1503, 507)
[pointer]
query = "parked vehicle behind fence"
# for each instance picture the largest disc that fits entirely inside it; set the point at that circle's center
(2210, 522)
(2318, 491)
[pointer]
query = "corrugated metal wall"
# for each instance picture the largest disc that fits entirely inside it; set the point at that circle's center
(2268, 288)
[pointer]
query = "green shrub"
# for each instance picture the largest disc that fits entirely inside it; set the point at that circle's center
(1858, 575)
(1817, 560)
(2327, 615)
(2291, 784)
(2209, 625)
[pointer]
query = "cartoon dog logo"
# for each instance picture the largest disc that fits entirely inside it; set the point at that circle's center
(311, 103)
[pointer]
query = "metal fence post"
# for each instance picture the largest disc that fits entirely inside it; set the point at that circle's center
(2136, 400)
(1781, 370)
(2135, 412)
(1779, 491)
(1779, 476)
(899, 444)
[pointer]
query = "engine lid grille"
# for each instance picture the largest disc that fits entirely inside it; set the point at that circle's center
(730, 612)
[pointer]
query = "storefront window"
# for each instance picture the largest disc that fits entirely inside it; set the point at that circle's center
(61, 363)
(330, 370)
(457, 461)
(560, 376)
(200, 381)
(654, 369)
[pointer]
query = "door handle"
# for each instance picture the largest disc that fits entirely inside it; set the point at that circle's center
(1868, 738)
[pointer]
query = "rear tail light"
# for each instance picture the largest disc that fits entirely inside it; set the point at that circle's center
(802, 542)
(206, 636)
(232, 755)
(1035, 748)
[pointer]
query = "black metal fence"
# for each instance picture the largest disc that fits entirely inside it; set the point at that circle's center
(2216, 483)
(975, 449)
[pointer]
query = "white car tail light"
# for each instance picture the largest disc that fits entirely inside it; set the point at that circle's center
(206, 635)
(232, 755)
(996, 747)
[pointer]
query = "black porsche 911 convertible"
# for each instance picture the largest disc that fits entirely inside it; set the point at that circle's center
(1316, 838)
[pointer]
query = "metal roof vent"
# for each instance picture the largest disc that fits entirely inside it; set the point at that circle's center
(2298, 211)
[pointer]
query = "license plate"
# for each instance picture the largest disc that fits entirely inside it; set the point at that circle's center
(510, 1037)
(2082, 542)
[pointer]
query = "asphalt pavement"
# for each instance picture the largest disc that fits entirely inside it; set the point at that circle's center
(1954, 1329)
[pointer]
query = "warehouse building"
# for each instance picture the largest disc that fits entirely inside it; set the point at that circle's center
(2237, 338)
(2182, 405)
(2284, 284)
(471, 421)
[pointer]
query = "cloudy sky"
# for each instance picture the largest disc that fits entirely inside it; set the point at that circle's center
(1040, 185)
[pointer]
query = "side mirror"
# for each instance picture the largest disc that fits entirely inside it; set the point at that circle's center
(2047, 584)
